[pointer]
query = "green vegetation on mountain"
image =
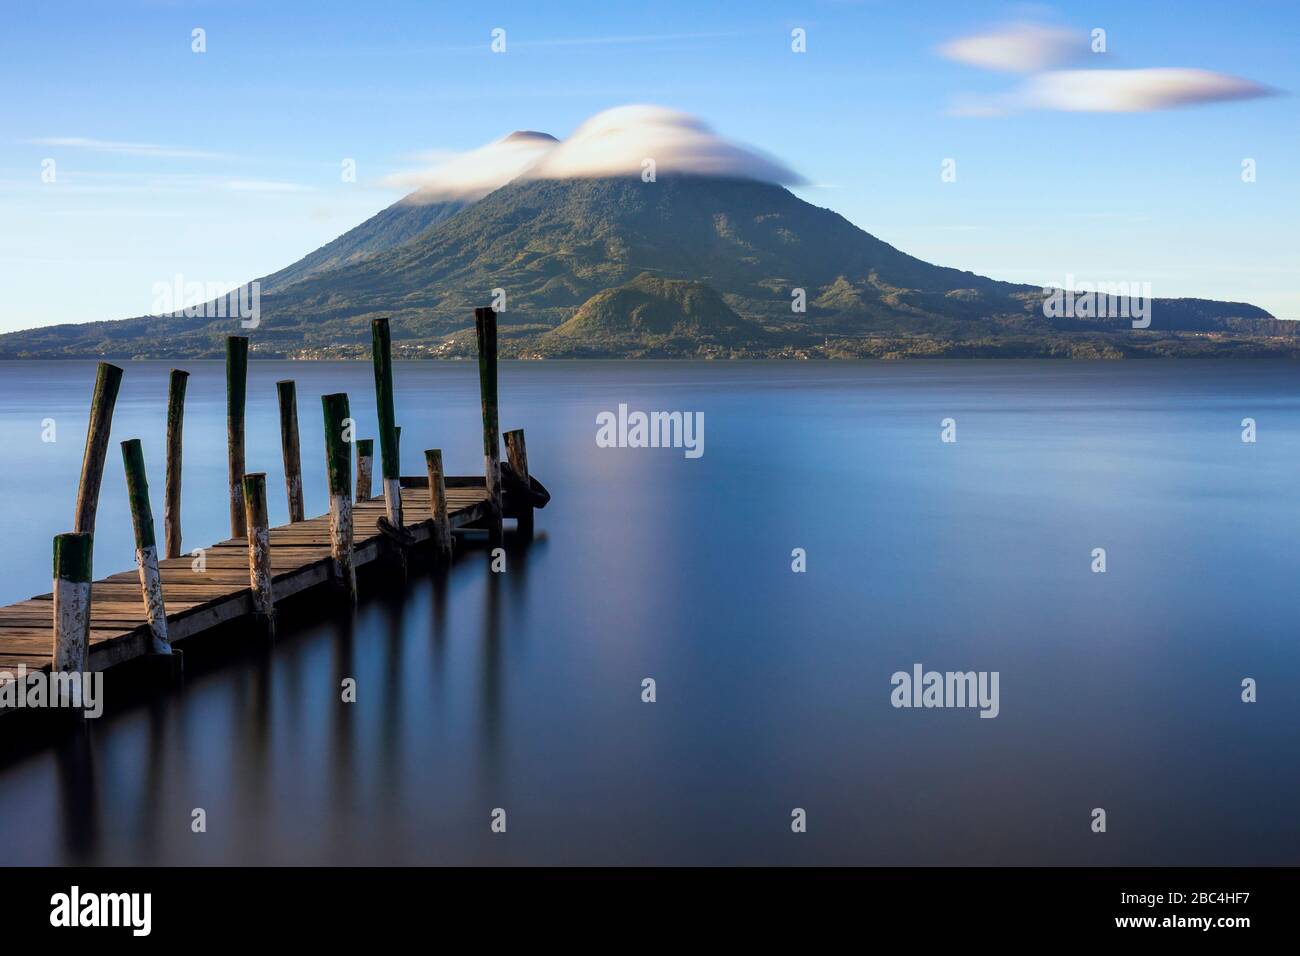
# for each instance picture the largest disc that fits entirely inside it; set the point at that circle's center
(688, 265)
(652, 316)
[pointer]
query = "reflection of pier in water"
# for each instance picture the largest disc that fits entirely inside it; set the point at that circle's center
(271, 702)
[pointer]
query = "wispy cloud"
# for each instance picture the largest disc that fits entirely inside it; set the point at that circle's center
(517, 39)
(978, 105)
(1135, 91)
(1018, 48)
(140, 183)
(1036, 49)
(474, 174)
(124, 149)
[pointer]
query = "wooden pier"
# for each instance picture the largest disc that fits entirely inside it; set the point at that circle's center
(142, 612)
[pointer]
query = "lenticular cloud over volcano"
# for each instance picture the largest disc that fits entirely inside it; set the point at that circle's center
(471, 176)
(617, 142)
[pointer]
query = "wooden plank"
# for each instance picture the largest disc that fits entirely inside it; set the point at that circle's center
(196, 601)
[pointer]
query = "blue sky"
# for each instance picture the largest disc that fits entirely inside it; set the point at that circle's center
(225, 165)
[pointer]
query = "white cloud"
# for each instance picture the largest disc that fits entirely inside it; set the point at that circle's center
(474, 174)
(1038, 49)
(1018, 48)
(982, 105)
(617, 142)
(612, 143)
(126, 149)
(1134, 91)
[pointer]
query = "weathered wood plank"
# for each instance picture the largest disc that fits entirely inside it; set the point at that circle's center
(301, 558)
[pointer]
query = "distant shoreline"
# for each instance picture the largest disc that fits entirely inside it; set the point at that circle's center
(1092, 347)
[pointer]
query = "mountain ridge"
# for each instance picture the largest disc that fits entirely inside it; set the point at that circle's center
(550, 246)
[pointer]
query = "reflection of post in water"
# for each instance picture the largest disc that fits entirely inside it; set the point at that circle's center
(289, 665)
(78, 793)
(154, 795)
(490, 676)
(520, 546)
(342, 731)
(251, 737)
(390, 692)
(439, 578)
(517, 549)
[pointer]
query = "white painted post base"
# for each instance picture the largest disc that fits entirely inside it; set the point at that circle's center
(71, 625)
(259, 566)
(146, 560)
(341, 543)
(393, 501)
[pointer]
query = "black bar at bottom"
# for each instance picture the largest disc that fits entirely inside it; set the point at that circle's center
(376, 904)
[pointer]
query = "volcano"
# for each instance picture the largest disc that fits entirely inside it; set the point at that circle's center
(764, 271)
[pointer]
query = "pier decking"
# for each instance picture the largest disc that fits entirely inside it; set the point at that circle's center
(85, 625)
(198, 600)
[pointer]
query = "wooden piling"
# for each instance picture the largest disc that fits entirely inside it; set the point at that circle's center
(288, 395)
(259, 550)
(236, 392)
(172, 491)
(365, 467)
(335, 408)
(381, 352)
(72, 559)
(517, 454)
(303, 558)
(485, 325)
(146, 546)
(108, 379)
(438, 505)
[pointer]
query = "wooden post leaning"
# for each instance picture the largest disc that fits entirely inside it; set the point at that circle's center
(146, 546)
(108, 379)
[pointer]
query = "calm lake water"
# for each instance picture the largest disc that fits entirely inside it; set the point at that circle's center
(522, 690)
